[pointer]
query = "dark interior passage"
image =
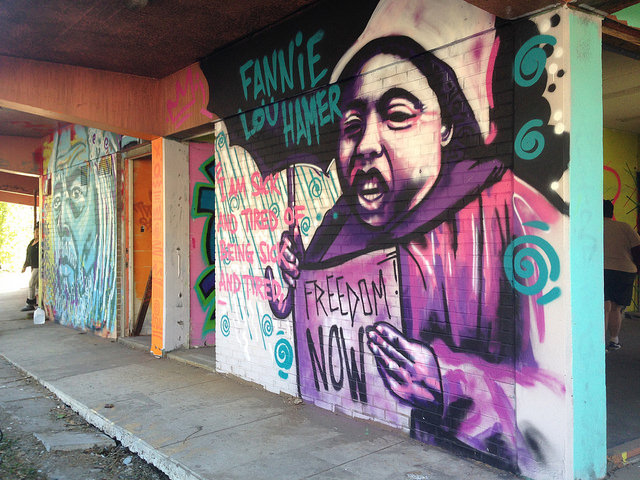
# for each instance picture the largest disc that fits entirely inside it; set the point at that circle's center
(623, 386)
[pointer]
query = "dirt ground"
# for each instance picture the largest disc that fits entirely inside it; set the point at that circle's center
(27, 408)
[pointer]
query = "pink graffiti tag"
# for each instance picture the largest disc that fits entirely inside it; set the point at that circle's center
(178, 115)
(264, 187)
(492, 63)
(612, 170)
(256, 219)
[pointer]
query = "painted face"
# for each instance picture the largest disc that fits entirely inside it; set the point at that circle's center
(75, 220)
(390, 139)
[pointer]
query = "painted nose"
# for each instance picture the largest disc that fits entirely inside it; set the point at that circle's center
(370, 144)
(64, 217)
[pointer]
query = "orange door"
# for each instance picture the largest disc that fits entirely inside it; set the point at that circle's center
(141, 229)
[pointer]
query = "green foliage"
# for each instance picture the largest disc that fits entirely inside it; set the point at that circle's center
(16, 231)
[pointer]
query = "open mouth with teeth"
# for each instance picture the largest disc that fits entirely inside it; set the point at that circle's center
(370, 188)
(67, 260)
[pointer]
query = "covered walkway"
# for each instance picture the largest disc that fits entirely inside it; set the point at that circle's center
(193, 423)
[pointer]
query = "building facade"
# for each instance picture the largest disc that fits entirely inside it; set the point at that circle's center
(397, 219)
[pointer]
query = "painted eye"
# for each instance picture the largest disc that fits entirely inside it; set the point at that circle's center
(77, 194)
(400, 114)
(351, 123)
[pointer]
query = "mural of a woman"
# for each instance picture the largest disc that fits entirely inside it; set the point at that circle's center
(418, 177)
(83, 229)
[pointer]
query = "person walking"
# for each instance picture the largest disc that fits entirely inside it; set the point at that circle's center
(621, 264)
(32, 260)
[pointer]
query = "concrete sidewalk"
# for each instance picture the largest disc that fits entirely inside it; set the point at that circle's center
(192, 423)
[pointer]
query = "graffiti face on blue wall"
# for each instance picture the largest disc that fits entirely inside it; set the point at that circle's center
(74, 203)
(407, 255)
(81, 236)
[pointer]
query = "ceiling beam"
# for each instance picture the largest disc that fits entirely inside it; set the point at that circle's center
(16, 155)
(618, 36)
(615, 34)
(10, 182)
(126, 104)
(512, 9)
(609, 6)
(20, 199)
(115, 102)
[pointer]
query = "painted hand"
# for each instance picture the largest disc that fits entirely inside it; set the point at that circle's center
(290, 251)
(408, 368)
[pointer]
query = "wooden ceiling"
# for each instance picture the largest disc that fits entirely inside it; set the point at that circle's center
(151, 38)
(154, 38)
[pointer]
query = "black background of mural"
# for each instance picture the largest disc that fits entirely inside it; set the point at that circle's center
(342, 22)
(516, 105)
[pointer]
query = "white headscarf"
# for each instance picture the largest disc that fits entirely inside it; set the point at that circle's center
(455, 31)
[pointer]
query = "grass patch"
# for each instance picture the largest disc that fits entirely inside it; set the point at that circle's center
(14, 465)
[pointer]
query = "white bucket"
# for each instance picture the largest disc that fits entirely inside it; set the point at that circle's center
(38, 316)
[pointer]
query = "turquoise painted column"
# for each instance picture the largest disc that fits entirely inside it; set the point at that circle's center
(587, 302)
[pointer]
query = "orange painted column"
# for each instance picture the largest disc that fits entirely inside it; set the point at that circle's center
(157, 248)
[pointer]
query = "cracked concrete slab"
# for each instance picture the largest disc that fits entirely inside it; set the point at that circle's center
(69, 441)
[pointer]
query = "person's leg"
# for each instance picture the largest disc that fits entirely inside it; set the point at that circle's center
(607, 313)
(35, 278)
(33, 284)
(609, 292)
(615, 322)
(31, 294)
(619, 291)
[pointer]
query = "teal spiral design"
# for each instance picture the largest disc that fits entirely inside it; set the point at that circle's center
(221, 141)
(315, 187)
(225, 325)
(305, 225)
(526, 261)
(275, 208)
(234, 203)
(531, 60)
(283, 352)
(267, 325)
(529, 143)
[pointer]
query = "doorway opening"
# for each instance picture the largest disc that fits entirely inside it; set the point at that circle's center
(621, 148)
